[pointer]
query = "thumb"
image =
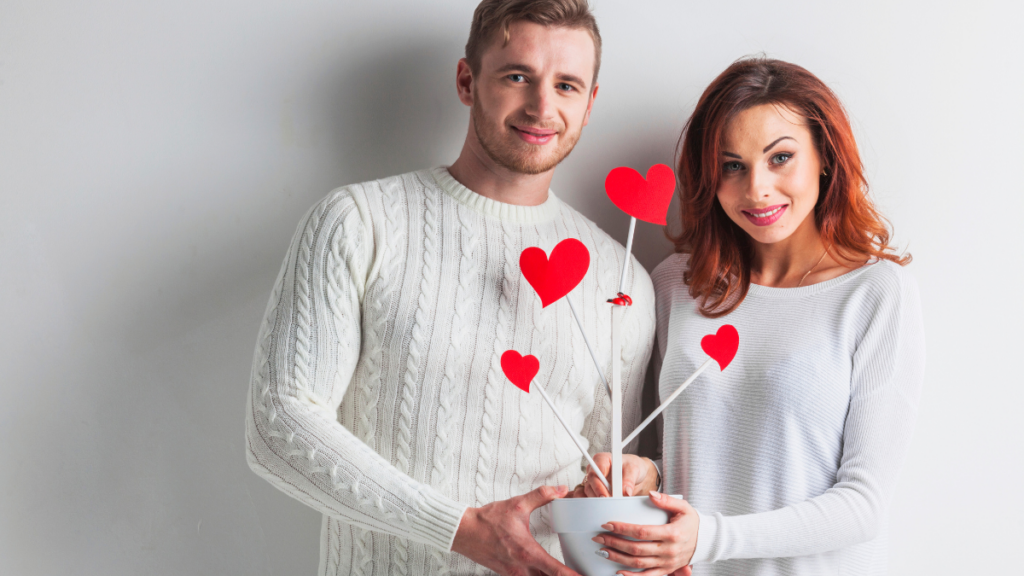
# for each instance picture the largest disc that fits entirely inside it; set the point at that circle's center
(604, 462)
(540, 496)
(670, 504)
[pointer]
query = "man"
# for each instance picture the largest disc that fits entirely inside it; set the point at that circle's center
(377, 394)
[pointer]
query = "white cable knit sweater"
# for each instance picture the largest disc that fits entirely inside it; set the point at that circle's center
(377, 395)
(791, 454)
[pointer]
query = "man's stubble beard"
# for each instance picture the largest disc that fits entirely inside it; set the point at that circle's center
(514, 158)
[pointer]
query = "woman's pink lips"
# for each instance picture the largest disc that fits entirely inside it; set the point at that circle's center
(767, 220)
(535, 135)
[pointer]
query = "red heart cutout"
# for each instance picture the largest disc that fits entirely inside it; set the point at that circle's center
(555, 277)
(722, 346)
(642, 199)
(520, 369)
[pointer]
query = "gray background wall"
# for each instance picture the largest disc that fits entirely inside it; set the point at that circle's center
(156, 157)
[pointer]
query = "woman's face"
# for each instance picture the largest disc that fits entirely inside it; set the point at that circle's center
(770, 168)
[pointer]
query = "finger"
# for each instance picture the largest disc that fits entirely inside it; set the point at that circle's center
(632, 547)
(670, 504)
(596, 488)
(640, 532)
(646, 562)
(540, 496)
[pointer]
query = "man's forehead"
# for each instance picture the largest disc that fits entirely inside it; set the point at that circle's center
(545, 49)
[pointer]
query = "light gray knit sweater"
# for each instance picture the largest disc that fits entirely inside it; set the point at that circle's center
(377, 395)
(791, 455)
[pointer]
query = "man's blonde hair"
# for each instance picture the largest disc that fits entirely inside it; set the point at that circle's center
(492, 16)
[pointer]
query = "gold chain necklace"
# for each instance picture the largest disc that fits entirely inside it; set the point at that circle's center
(813, 267)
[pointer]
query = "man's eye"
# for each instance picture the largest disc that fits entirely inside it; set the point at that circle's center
(781, 158)
(566, 87)
(732, 167)
(516, 77)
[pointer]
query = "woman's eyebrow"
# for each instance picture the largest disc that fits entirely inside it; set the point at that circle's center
(731, 155)
(769, 147)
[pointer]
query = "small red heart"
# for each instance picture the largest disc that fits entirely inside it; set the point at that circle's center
(722, 346)
(555, 277)
(520, 369)
(643, 199)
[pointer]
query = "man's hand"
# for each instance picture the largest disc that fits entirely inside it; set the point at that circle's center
(498, 536)
(639, 477)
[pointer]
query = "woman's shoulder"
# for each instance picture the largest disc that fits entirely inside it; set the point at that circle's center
(888, 280)
(669, 274)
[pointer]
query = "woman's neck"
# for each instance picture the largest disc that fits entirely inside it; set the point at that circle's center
(801, 259)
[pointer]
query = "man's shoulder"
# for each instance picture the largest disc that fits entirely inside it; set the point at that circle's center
(601, 243)
(591, 233)
(389, 186)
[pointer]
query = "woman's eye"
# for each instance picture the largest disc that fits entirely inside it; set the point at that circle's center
(732, 167)
(516, 77)
(781, 158)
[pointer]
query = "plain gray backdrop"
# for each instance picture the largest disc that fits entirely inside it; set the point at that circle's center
(155, 159)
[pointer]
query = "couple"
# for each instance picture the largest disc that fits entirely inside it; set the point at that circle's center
(377, 396)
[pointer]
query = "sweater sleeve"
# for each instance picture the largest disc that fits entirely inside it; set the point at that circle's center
(887, 376)
(307, 351)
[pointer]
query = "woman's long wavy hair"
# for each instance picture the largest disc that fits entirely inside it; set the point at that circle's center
(720, 252)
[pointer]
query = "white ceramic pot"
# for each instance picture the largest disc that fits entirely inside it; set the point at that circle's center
(577, 520)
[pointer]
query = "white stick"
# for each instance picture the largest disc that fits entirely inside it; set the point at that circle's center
(587, 341)
(629, 250)
(667, 401)
(593, 465)
(617, 312)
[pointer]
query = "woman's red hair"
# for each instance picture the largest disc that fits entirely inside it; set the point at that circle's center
(720, 252)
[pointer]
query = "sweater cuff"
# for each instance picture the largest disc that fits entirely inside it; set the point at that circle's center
(438, 520)
(707, 530)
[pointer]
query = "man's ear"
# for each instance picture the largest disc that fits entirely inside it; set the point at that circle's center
(464, 82)
(590, 104)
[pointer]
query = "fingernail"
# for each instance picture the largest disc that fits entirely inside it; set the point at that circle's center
(656, 494)
(602, 554)
(607, 526)
(598, 539)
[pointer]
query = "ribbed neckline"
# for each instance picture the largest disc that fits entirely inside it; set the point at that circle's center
(508, 212)
(771, 292)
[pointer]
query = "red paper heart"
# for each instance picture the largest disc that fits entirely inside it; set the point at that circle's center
(722, 346)
(519, 369)
(642, 199)
(555, 277)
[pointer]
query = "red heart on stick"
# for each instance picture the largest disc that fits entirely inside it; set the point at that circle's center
(643, 199)
(722, 346)
(519, 369)
(556, 276)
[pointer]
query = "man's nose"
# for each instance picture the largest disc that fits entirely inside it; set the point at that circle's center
(541, 103)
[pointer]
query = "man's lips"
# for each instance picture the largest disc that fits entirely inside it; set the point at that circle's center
(534, 135)
(765, 216)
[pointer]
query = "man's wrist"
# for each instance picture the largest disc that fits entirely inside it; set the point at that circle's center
(467, 525)
(656, 475)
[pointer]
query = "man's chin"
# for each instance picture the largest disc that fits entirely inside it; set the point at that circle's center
(531, 164)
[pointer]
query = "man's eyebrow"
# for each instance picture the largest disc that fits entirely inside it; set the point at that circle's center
(573, 79)
(731, 155)
(769, 147)
(513, 67)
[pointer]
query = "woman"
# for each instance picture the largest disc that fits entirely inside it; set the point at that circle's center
(788, 458)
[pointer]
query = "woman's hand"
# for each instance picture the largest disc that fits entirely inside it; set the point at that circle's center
(668, 549)
(639, 477)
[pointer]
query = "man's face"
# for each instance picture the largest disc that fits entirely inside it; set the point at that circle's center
(531, 98)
